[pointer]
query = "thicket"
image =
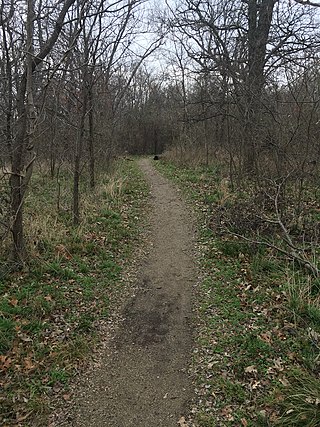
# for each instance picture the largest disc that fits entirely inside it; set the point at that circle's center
(68, 71)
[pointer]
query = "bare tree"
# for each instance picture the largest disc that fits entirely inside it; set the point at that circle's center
(245, 45)
(22, 142)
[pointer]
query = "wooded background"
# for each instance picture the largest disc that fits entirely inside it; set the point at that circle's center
(234, 82)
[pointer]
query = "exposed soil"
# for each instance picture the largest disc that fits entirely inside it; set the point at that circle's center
(143, 375)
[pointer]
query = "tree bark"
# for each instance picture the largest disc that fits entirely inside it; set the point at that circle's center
(77, 159)
(91, 139)
(22, 149)
(24, 144)
(259, 23)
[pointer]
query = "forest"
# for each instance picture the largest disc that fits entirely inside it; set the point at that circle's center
(227, 95)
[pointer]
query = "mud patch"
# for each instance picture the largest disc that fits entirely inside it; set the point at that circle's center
(149, 327)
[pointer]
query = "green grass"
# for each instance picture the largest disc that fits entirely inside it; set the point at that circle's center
(49, 312)
(253, 332)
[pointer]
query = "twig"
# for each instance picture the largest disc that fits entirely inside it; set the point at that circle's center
(292, 255)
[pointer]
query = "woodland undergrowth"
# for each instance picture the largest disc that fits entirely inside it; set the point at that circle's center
(51, 312)
(257, 355)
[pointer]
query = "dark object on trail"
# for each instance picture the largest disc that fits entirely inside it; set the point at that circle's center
(156, 158)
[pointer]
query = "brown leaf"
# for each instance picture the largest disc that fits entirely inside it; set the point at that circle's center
(23, 417)
(266, 337)
(284, 381)
(182, 422)
(314, 336)
(28, 364)
(292, 355)
(25, 338)
(14, 302)
(63, 252)
(278, 364)
(255, 385)
(226, 412)
(5, 362)
(244, 422)
(250, 369)
(273, 417)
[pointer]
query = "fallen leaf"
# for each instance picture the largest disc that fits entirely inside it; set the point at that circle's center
(266, 337)
(250, 369)
(278, 364)
(182, 422)
(24, 338)
(310, 400)
(255, 385)
(314, 336)
(284, 381)
(28, 364)
(56, 388)
(226, 412)
(244, 422)
(63, 252)
(14, 302)
(292, 355)
(5, 362)
(23, 417)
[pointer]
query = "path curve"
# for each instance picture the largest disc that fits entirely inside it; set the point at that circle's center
(144, 378)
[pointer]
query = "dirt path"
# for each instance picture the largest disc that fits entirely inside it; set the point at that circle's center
(143, 380)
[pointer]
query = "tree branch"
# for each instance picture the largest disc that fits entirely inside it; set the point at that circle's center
(307, 3)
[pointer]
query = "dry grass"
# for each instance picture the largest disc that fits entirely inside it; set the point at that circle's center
(192, 155)
(302, 403)
(49, 224)
(304, 298)
(113, 188)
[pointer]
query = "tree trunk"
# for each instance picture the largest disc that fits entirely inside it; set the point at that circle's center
(76, 192)
(259, 23)
(22, 148)
(18, 250)
(77, 163)
(23, 141)
(91, 140)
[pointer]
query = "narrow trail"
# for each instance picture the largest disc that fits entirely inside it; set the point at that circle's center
(143, 380)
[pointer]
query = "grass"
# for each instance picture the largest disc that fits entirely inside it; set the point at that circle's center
(50, 312)
(257, 359)
(302, 403)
